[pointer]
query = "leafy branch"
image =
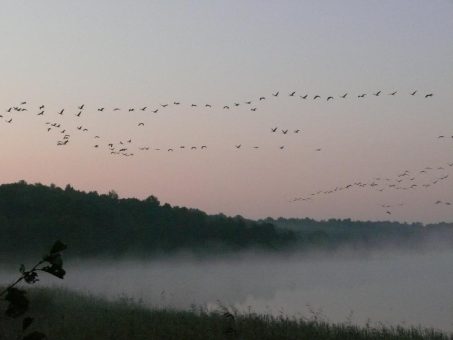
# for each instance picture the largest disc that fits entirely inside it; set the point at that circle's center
(18, 303)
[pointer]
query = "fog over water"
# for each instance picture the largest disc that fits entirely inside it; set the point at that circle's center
(389, 287)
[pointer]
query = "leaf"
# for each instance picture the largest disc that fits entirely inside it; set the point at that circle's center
(27, 322)
(31, 277)
(35, 336)
(54, 259)
(55, 270)
(58, 247)
(18, 302)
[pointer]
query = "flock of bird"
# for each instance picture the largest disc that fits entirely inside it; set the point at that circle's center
(124, 149)
(407, 180)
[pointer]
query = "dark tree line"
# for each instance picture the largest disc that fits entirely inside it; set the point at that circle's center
(333, 233)
(34, 214)
(103, 224)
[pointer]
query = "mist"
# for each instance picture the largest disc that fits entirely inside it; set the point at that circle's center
(387, 286)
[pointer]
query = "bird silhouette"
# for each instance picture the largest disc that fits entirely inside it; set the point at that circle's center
(316, 97)
(41, 107)
(253, 109)
(292, 94)
(141, 124)
(296, 131)
(275, 94)
(330, 97)
(238, 146)
(101, 109)
(262, 98)
(428, 95)
(155, 111)
(284, 132)
(61, 112)
(81, 107)
(393, 93)
(176, 103)
(144, 108)
(344, 96)
(304, 97)
(413, 93)
(274, 129)
(164, 105)
(377, 93)
(226, 107)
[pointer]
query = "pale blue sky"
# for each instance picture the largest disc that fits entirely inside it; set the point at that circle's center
(137, 53)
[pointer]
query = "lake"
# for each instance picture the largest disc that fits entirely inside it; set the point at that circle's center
(380, 287)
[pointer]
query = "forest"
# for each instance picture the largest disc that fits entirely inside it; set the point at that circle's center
(33, 215)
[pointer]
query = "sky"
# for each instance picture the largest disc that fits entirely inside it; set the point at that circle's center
(122, 54)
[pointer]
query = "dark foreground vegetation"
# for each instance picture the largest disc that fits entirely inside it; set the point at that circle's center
(61, 314)
(105, 225)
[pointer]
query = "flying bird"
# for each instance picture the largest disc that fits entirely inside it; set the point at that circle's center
(316, 97)
(275, 94)
(413, 93)
(344, 96)
(141, 124)
(274, 129)
(377, 93)
(330, 97)
(393, 93)
(428, 95)
(292, 94)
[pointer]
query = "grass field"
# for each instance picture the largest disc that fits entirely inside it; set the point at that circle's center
(65, 315)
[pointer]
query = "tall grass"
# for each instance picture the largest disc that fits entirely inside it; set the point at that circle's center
(66, 315)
